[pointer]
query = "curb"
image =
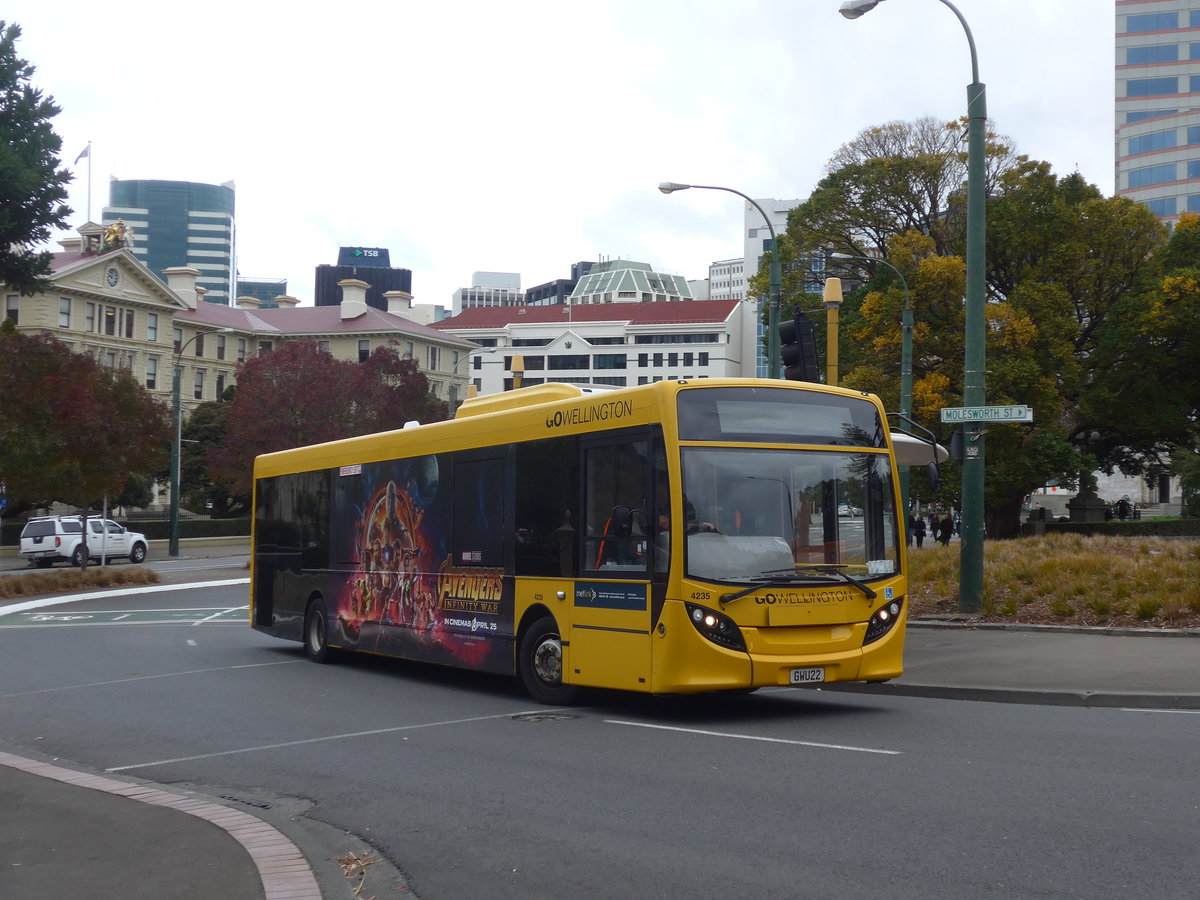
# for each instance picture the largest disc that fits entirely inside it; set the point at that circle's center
(955, 623)
(283, 869)
(1079, 699)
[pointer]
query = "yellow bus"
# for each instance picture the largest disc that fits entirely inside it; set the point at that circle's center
(677, 537)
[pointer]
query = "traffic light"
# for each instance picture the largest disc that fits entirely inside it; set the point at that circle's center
(797, 348)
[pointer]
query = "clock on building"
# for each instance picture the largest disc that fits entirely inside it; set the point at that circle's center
(112, 276)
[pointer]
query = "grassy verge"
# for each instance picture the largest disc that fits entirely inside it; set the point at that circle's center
(1068, 579)
(56, 581)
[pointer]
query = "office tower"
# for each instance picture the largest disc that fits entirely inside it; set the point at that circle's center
(1158, 104)
(179, 223)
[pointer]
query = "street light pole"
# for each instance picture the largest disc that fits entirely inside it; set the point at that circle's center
(177, 443)
(775, 271)
(970, 585)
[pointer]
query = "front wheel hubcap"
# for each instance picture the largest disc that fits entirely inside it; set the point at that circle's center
(547, 660)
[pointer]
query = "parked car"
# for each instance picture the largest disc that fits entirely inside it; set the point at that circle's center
(845, 509)
(46, 540)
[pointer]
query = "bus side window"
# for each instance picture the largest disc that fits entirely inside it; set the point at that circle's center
(615, 485)
(547, 496)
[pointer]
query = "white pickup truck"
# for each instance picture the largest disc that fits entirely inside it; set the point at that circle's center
(46, 540)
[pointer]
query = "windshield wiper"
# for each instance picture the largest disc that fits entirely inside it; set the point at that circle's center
(815, 568)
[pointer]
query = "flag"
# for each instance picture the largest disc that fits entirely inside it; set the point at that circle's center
(87, 151)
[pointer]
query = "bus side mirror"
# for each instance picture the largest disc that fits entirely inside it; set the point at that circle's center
(934, 476)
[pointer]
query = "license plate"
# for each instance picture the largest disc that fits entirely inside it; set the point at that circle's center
(813, 675)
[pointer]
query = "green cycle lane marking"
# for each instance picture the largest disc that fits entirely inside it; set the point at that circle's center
(220, 615)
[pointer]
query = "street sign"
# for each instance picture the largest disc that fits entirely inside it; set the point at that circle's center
(987, 414)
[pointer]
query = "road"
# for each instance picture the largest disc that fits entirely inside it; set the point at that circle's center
(472, 790)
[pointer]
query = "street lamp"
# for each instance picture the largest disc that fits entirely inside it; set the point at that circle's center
(462, 359)
(970, 586)
(177, 444)
(776, 271)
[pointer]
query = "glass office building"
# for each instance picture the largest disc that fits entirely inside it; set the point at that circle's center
(1158, 105)
(180, 223)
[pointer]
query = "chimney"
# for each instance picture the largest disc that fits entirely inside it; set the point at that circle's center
(354, 298)
(286, 301)
(399, 303)
(182, 281)
(248, 302)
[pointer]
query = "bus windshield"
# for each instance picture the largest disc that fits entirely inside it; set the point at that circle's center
(754, 512)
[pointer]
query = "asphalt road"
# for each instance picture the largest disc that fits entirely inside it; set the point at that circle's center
(472, 790)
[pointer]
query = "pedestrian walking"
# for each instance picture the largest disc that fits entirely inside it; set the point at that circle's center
(945, 529)
(919, 532)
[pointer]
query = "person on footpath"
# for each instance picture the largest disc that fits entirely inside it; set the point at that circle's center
(919, 532)
(945, 529)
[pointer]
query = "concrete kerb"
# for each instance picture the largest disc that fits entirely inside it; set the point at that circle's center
(282, 868)
(1079, 699)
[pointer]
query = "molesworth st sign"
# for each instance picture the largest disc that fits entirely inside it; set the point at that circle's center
(987, 414)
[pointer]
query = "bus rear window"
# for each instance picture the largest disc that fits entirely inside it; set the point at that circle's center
(778, 415)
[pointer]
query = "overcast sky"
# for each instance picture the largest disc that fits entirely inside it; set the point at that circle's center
(524, 136)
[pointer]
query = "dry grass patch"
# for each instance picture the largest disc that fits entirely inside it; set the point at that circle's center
(1069, 580)
(57, 581)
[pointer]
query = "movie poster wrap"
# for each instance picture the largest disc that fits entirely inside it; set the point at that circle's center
(406, 595)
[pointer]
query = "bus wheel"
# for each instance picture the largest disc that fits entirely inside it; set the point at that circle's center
(316, 640)
(540, 664)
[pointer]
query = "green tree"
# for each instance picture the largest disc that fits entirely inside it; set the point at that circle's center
(32, 187)
(1070, 280)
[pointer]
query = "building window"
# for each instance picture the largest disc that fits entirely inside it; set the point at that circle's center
(1146, 143)
(364, 351)
(643, 359)
(64, 312)
(264, 348)
(687, 358)
(610, 361)
(152, 326)
(177, 339)
(110, 321)
(658, 359)
(1193, 168)
(323, 346)
(241, 350)
(409, 350)
(1163, 21)
(1151, 87)
(1162, 207)
(12, 308)
(1135, 56)
(152, 373)
(434, 355)
(572, 362)
(220, 346)
(129, 317)
(533, 363)
(198, 385)
(89, 317)
(220, 384)
(110, 359)
(199, 345)
(614, 380)
(1152, 175)
(1132, 117)
(704, 359)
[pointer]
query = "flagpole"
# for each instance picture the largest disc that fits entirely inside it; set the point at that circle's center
(89, 150)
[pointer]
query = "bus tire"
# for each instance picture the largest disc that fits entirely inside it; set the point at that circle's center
(316, 633)
(539, 664)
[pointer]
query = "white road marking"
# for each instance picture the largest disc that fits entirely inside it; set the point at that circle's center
(755, 737)
(1178, 712)
(91, 684)
(97, 595)
(221, 613)
(319, 740)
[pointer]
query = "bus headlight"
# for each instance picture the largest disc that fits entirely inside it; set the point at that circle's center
(718, 628)
(882, 621)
